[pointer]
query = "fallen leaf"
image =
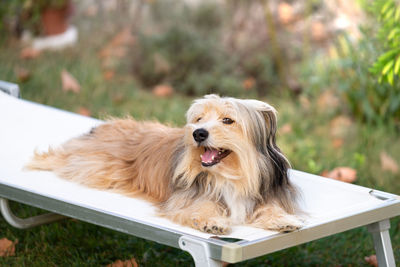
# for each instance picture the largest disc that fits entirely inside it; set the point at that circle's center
(337, 142)
(371, 260)
(69, 83)
(318, 31)
(388, 163)
(29, 53)
(22, 74)
(285, 13)
(344, 174)
(108, 74)
(286, 128)
(324, 173)
(117, 46)
(327, 101)
(163, 90)
(7, 247)
(128, 263)
(340, 126)
(124, 37)
(84, 111)
(249, 83)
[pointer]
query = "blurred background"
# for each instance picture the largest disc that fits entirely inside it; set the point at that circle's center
(330, 67)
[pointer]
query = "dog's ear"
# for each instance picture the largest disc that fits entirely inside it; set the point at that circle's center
(270, 149)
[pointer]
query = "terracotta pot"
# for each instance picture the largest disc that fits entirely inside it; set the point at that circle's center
(55, 19)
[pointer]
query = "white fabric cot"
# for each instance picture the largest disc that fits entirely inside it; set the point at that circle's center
(332, 206)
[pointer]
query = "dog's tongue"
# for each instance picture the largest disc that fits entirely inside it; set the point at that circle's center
(209, 154)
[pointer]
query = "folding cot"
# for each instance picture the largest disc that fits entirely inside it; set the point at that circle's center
(332, 206)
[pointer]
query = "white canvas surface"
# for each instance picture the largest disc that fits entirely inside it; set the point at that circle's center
(26, 126)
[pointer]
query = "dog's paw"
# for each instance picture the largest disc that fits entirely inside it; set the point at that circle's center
(216, 226)
(286, 224)
(288, 228)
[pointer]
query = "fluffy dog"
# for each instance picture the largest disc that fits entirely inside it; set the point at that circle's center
(223, 168)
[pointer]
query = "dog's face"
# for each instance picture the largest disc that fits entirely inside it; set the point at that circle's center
(227, 136)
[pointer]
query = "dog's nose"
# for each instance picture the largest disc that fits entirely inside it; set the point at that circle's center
(200, 135)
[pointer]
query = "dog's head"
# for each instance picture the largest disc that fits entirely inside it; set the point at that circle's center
(235, 139)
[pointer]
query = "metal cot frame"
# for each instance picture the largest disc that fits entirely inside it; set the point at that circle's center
(205, 252)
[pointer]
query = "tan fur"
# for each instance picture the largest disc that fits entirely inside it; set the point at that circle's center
(163, 164)
(124, 155)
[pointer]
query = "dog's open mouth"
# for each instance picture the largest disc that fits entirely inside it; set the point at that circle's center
(212, 156)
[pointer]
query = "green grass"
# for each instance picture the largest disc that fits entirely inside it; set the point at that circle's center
(308, 146)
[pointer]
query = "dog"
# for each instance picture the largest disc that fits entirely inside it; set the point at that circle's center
(222, 169)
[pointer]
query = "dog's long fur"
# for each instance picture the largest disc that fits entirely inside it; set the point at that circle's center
(250, 185)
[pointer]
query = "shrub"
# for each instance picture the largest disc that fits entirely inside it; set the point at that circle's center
(186, 49)
(363, 71)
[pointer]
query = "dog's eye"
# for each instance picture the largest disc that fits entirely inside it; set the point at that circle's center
(198, 119)
(227, 121)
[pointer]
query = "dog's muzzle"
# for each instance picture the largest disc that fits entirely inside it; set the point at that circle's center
(200, 135)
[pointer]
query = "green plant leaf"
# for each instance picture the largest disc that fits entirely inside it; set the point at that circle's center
(389, 15)
(397, 14)
(397, 65)
(387, 55)
(390, 76)
(387, 67)
(393, 33)
(386, 6)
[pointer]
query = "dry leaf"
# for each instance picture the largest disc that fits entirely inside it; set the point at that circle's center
(324, 173)
(337, 142)
(327, 101)
(163, 90)
(108, 74)
(29, 53)
(128, 263)
(124, 37)
(7, 247)
(318, 31)
(84, 111)
(344, 174)
(117, 46)
(286, 128)
(69, 83)
(22, 74)
(371, 260)
(340, 126)
(285, 13)
(388, 163)
(249, 83)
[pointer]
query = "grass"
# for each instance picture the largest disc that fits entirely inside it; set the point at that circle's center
(308, 146)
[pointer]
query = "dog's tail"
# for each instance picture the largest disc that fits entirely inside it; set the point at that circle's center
(46, 161)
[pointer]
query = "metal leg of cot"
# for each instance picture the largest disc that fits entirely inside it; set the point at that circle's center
(382, 243)
(28, 222)
(199, 251)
